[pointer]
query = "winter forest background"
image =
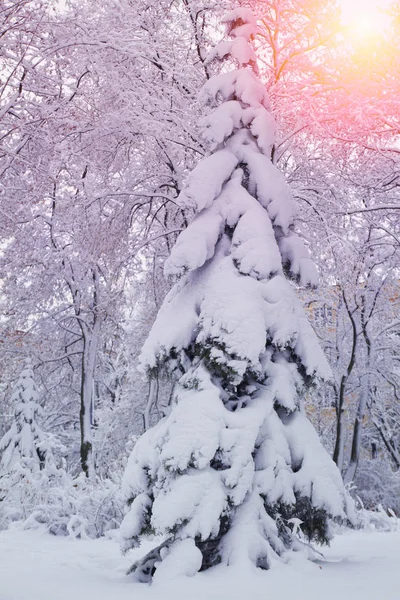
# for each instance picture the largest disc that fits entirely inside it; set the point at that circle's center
(100, 126)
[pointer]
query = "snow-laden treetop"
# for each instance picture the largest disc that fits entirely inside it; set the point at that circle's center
(24, 442)
(245, 209)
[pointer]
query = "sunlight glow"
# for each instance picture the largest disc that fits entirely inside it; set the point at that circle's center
(364, 20)
(364, 26)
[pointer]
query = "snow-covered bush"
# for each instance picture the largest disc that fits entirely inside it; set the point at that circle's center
(376, 520)
(234, 469)
(377, 484)
(67, 506)
(34, 490)
(83, 508)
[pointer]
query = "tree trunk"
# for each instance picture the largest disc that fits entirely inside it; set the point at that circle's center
(86, 411)
(363, 402)
(338, 453)
(151, 401)
(357, 429)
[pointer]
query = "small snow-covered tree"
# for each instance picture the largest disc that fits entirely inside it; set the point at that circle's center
(234, 468)
(24, 449)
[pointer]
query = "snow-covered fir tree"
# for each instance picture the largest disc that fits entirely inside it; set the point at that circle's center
(25, 450)
(228, 476)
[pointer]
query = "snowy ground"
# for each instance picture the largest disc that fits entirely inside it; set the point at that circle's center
(38, 566)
